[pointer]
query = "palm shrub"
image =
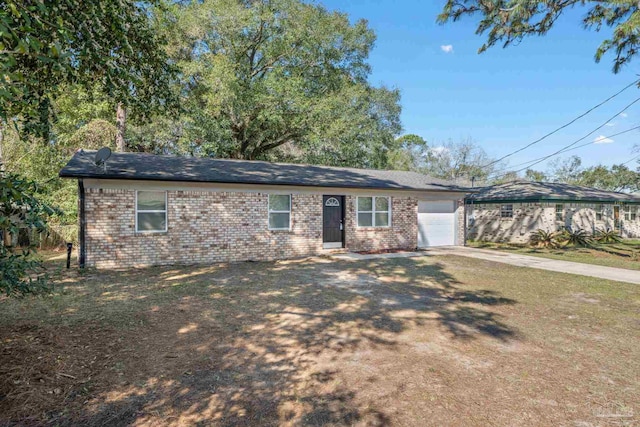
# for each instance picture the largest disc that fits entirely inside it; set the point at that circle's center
(608, 236)
(545, 239)
(575, 238)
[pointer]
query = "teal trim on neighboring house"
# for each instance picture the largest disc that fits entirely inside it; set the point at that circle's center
(548, 200)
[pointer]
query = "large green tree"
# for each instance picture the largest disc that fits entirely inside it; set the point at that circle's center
(272, 79)
(565, 170)
(46, 49)
(46, 44)
(509, 21)
(614, 178)
(534, 175)
(409, 154)
(570, 171)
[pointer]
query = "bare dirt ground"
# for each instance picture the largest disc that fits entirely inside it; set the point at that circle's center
(406, 342)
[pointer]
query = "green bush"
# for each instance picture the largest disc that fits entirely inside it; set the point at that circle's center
(545, 239)
(576, 238)
(21, 272)
(608, 236)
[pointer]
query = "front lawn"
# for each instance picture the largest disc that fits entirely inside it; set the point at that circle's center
(625, 254)
(404, 341)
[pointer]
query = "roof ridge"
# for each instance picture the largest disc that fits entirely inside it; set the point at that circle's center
(185, 168)
(224, 159)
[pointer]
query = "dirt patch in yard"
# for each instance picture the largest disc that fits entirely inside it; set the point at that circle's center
(383, 251)
(422, 341)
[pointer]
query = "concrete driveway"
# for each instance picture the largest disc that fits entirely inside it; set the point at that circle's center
(609, 273)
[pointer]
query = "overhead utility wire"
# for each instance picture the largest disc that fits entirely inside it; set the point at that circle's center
(561, 127)
(563, 151)
(631, 160)
(577, 140)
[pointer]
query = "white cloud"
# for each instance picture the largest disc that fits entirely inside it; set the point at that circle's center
(611, 124)
(439, 151)
(447, 48)
(624, 115)
(602, 140)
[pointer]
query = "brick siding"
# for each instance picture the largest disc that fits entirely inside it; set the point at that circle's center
(529, 217)
(403, 233)
(206, 227)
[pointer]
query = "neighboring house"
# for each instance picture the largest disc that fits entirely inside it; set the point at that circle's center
(142, 209)
(512, 212)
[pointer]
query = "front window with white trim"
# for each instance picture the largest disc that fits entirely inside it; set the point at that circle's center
(373, 211)
(629, 213)
(151, 211)
(506, 211)
(599, 212)
(279, 211)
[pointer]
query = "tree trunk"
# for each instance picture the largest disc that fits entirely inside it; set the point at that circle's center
(121, 125)
(1, 143)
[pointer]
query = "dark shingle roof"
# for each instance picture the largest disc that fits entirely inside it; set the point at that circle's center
(139, 166)
(540, 191)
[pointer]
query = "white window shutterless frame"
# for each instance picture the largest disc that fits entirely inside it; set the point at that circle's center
(151, 211)
(372, 211)
(279, 212)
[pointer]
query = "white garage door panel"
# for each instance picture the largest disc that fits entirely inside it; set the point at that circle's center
(436, 223)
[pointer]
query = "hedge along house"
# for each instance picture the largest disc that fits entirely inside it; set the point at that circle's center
(512, 212)
(143, 209)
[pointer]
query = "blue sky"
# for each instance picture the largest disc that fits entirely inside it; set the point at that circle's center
(503, 98)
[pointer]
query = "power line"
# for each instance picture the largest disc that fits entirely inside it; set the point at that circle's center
(563, 126)
(632, 159)
(563, 149)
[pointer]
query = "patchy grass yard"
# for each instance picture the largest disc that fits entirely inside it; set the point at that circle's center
(422, 341)
(625, 254)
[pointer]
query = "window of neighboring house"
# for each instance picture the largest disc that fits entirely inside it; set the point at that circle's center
(373, 211)
(599, 212)
(279, 211)
(506, 211)
(630, 213)
(559, 212)
(151, 211)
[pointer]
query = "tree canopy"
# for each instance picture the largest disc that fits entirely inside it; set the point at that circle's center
(460, 161)
(509, 21)
(570, 171)
(44, 45)
(277, 79)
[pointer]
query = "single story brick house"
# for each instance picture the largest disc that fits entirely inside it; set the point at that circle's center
(142, 209)
(511, 212)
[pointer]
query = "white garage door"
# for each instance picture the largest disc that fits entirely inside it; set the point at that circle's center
(436, 223)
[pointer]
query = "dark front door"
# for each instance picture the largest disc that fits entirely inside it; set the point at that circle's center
(333, 220)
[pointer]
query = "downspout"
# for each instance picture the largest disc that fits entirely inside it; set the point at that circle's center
(466, 211)
(83, 224)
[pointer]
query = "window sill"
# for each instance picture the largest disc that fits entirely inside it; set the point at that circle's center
(151, 233)
(280, 230)
(372, 227)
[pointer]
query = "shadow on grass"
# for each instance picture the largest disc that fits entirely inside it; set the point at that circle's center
(239, 344)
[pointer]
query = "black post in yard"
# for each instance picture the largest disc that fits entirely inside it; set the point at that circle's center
(69, 249)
